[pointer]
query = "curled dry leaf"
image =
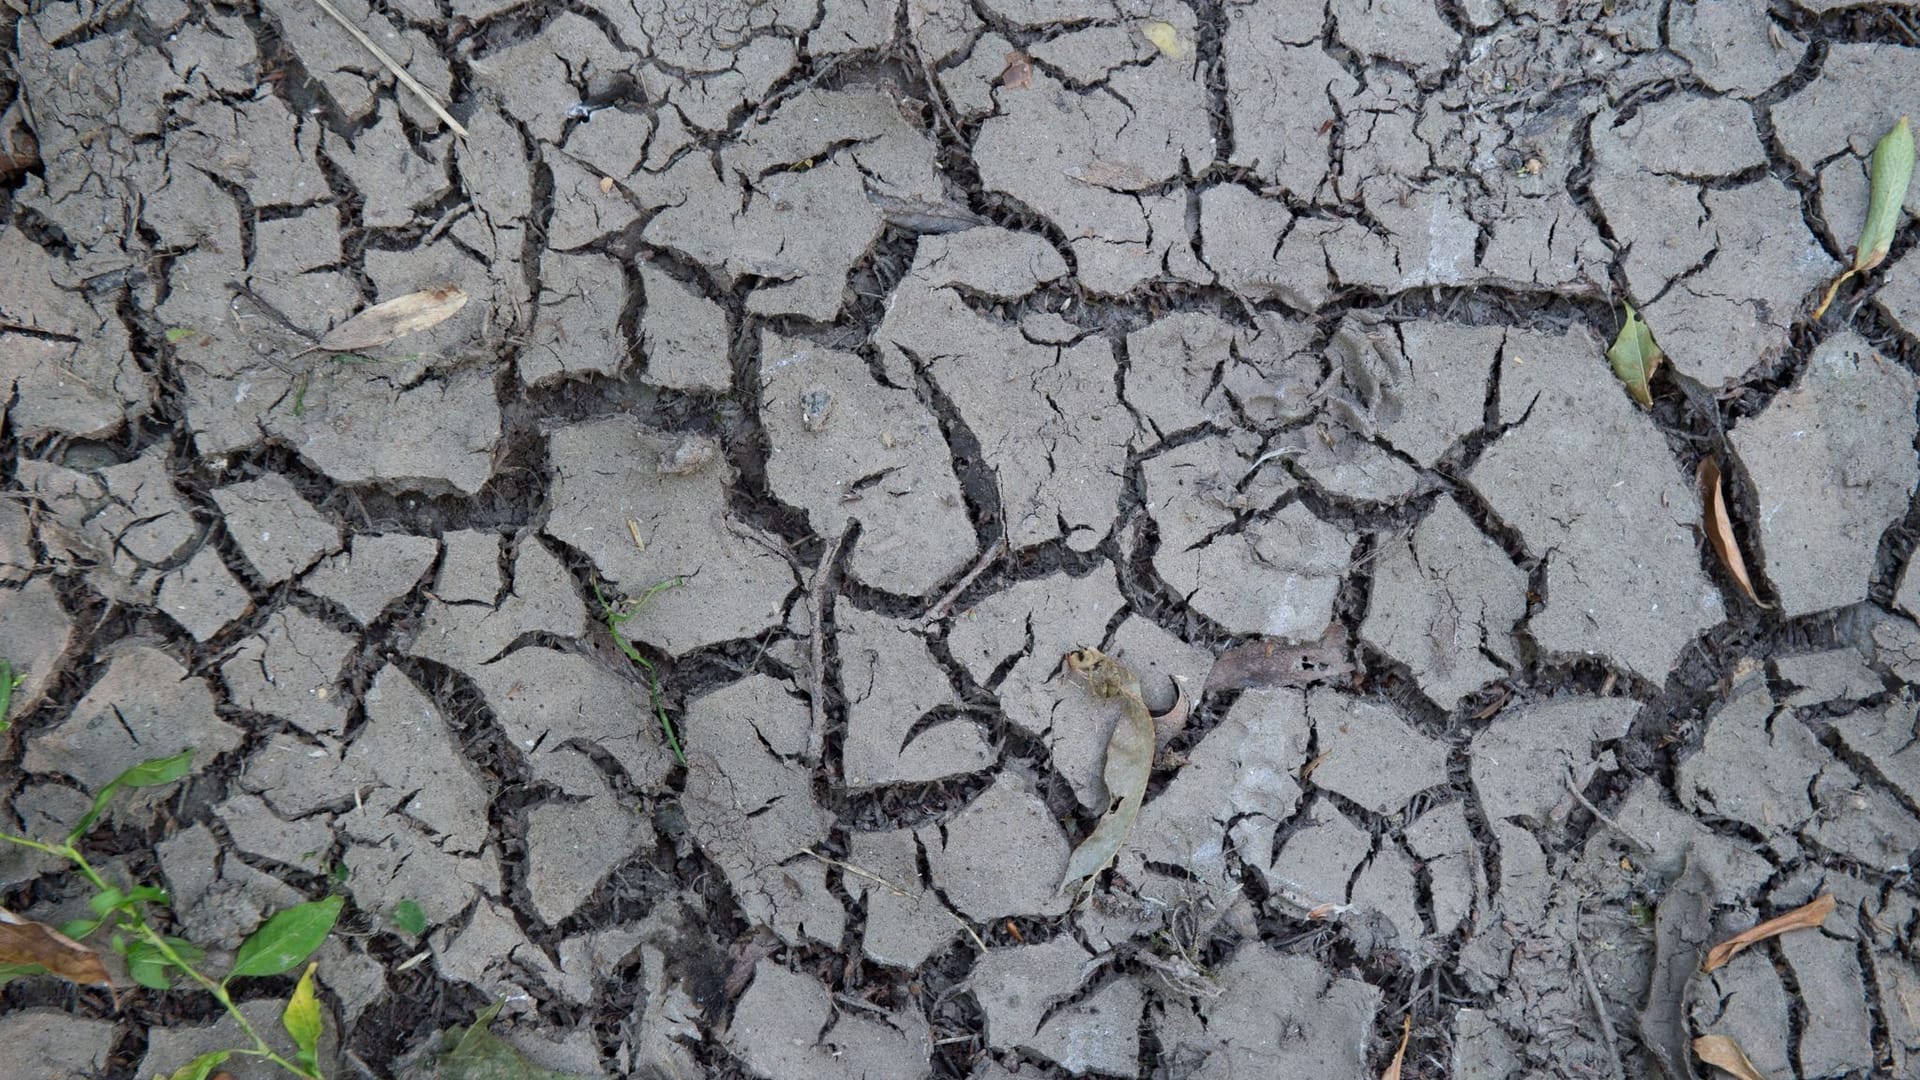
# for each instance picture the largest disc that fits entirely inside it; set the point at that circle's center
(1018, 74)
(1719, 525)
(1400, 1055)
(1129, 763)
(1262, 665)
(23, 941)
(394, 318)
(1723, 1053)
(1805, 917)
(1635, 357)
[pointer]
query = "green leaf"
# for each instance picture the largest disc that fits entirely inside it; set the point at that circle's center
(178, 334)
(1635, 357)
(288, 938)
(145, 894)
(201, 1067)
(148, 966)
(146, 774)
(80, 928)
(479, 1054)
(302, 1020)
(10, 972)
(103, 902)
(7, 683)
(409, 919)
(1892, 172)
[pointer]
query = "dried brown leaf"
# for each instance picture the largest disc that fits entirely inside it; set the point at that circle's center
(1400, 1055)
(402, 315)
(1719, 525)
(1268, 663)
(1805, 917)
(23, 941)
(1723, 1053)
(1113, 176)
(1129, 763)
(1018, 74)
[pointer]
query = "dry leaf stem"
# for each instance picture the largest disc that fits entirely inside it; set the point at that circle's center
(393, 65)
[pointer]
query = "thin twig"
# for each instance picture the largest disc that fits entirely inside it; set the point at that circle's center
(1593, 992)
(916, 17)
(988, 558)
(1632, 838)
(897, 891)
(817, 645)
(393, 65)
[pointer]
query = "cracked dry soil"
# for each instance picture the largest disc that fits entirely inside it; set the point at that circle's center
(927, 341)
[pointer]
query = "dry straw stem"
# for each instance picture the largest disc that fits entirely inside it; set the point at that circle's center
(393, 65)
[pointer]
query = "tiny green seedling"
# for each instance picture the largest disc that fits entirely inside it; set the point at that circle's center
(9, 682)
(616, 614)
(153, 959)
(409, 919)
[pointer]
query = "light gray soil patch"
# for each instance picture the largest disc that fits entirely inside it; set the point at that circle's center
(1623, 576)
(1831, 471)
(679, 625)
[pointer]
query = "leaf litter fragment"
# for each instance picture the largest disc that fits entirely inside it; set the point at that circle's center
(1166, 39)
(1635, 357)
(1723, 1053)
(1889, 173)
(28, 947)
(1269, 662)
(1719, 526)
(1129, 763)
(1805, 917)
(1400, 1055)
(402, 315)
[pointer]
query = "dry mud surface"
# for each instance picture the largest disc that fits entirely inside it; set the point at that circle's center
(923, 343)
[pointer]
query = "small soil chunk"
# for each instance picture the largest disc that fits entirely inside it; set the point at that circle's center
(279, 532)
(846, 447)
(1831, 470)
(376, 570)
(1002, 855)
(144, 706)
(892, 682)
(1019, 990)
(753, 811)
(291, 669)
(1445, 602)
(203, 596)
(1587, 480)
(1369, 754)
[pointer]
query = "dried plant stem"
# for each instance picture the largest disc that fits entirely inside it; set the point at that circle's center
(393, 65)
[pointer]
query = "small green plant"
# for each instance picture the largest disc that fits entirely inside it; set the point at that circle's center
(409, 919)
(616, 614)
(154, 959)
(9, 682)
